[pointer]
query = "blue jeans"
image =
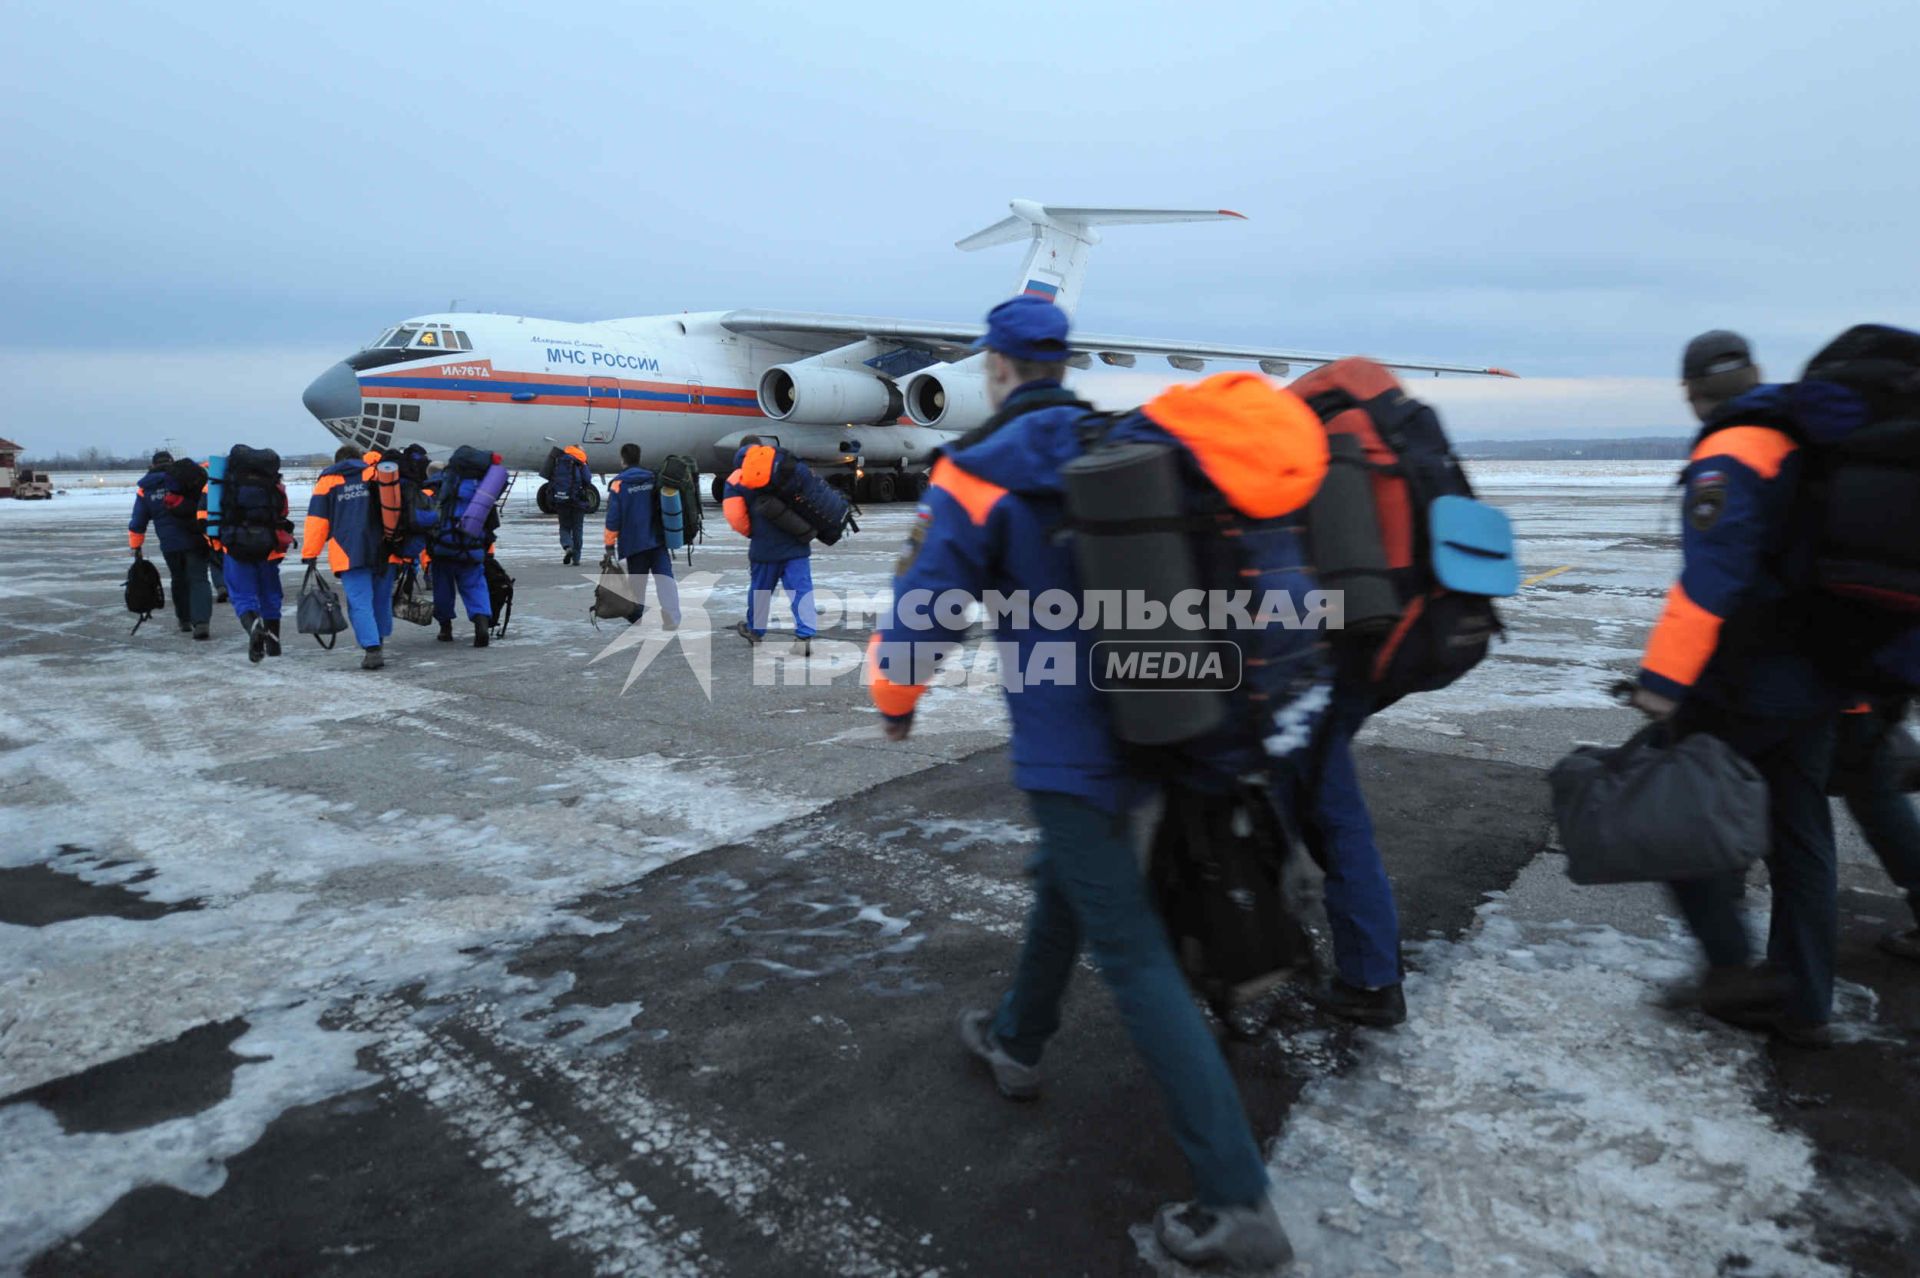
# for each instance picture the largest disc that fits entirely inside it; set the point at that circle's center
(1339, 836)
(469, 579)
(655, 564)
(1088, 884)
(1793, 756)
(571, 519)
(796, 575)
(192, 588)
(369, 593)
(1874, 797)
(254, 588)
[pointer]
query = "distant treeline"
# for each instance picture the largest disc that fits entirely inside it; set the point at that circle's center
(1645, 448)
(100, 459)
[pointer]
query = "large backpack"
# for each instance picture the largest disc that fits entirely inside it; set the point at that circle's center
(1429, 633)
(253, 523)
(802, 505)
(180, 491)
(144, 593)
(466, 463)
(682, 474)
(569, 480)
(1855, 565)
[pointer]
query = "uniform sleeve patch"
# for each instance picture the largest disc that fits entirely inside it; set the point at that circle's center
(1706, 499)
(916, 538)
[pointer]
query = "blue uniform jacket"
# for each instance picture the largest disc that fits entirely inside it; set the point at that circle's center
(1730, 631)
(175, 533)
(766, 544)
(633, 512)
(343, 520)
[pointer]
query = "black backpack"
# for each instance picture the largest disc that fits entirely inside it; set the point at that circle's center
(145, 595)
(1438, 634)
(500, 591)
(180, 493)
(253, 506)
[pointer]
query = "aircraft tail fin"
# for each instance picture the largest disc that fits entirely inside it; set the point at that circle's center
(1060, 236)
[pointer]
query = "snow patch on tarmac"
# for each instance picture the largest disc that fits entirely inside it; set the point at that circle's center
(1537, 1115)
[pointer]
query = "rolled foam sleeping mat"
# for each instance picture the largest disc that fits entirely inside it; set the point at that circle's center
(1349, 554)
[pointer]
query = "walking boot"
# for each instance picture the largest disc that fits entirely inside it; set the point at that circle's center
(1239, 1237)
(446, 631)
(273, 637)
(200, 630)
(481, 626)
(1380, 1008)
(256, 636)
(374, 659)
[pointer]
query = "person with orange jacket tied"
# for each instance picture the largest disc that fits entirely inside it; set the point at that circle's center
(635, 532)
(775, 559)
(1725, 659)
(990, 521)
(569, 493)
(343, 523)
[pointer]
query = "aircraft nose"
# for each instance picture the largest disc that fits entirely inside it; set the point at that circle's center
(334, 394)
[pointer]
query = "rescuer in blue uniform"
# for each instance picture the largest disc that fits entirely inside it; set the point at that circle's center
(635, 533)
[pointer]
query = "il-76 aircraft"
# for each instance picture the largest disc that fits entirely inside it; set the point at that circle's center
(863, 399)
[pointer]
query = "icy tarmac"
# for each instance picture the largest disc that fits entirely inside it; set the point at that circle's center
(538, 960)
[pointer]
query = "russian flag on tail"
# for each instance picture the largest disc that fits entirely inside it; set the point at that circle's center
(1041, 289)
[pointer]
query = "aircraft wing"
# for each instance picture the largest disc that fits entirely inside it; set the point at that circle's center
(814, 334)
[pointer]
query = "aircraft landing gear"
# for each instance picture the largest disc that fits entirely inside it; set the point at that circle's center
(719, 489)
(544, 499)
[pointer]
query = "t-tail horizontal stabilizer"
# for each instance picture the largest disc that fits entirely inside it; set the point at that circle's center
(1057, 261)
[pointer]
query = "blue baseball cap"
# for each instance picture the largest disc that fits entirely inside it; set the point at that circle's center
(1030, 328)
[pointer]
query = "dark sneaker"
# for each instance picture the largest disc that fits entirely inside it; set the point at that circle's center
(446, 632)
(1015, 1081)
(1382, 1008)
(200, 630)
(1904, 945)
(1238, 1237)
(745, 631)
(373, 660)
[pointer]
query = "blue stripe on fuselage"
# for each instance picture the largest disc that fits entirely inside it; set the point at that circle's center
(371, 387)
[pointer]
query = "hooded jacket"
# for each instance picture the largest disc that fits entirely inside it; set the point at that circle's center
(766, 544)
(990, 522)
(176, 532)
(633, 512)
(1732, 631)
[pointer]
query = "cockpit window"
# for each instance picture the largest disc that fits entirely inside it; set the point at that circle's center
(466, 344)
(429, 338)
(379, 341)
(401, 337)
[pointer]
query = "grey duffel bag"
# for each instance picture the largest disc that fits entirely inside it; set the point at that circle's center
(1656, 810)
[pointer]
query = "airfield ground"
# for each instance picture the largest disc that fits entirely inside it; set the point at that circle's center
(488, 963)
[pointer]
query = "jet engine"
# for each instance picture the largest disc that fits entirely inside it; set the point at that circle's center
(949, 397)
(809, 392)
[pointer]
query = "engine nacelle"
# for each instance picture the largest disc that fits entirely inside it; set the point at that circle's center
(949, 397)
(808, 392)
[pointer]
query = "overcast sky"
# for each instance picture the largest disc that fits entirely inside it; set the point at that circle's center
(203, 205)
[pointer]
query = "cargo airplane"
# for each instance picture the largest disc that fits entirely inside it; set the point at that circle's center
(865, 399)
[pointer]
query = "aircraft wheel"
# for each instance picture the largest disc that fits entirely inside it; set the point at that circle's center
(593, 499)
(883, 487)
(719, 489)
(544, 499)
(921, 480)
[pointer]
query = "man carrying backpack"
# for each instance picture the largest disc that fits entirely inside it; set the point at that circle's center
(459, 560)
(253, 533)
(634, 532)
(991, 522)
(343, 522)
(1732, 654)
(168, 497)
(775, 558)
(570, 491)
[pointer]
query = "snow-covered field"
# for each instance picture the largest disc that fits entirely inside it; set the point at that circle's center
(342, 854)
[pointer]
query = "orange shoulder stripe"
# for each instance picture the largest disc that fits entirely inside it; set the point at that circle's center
(1761, 449)
(976, 496)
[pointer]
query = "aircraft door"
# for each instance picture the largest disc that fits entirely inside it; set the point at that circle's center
(603, 411)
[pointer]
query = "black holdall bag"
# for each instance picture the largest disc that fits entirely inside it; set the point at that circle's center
(612, 596)
(145, 595)
(1217, 871)
(321, 612)
(1659, 809)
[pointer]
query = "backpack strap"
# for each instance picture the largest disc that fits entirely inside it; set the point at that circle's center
(1057, 397)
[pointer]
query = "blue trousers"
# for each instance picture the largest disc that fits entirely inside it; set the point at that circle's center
(571, 520)
(1088, 886)
(1338, 832)
(1874, 797)
(469, 579)
(656, 564)
(796, 575)
(369, 593)
(192, 588)
(254, 588)
(1793, 757)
